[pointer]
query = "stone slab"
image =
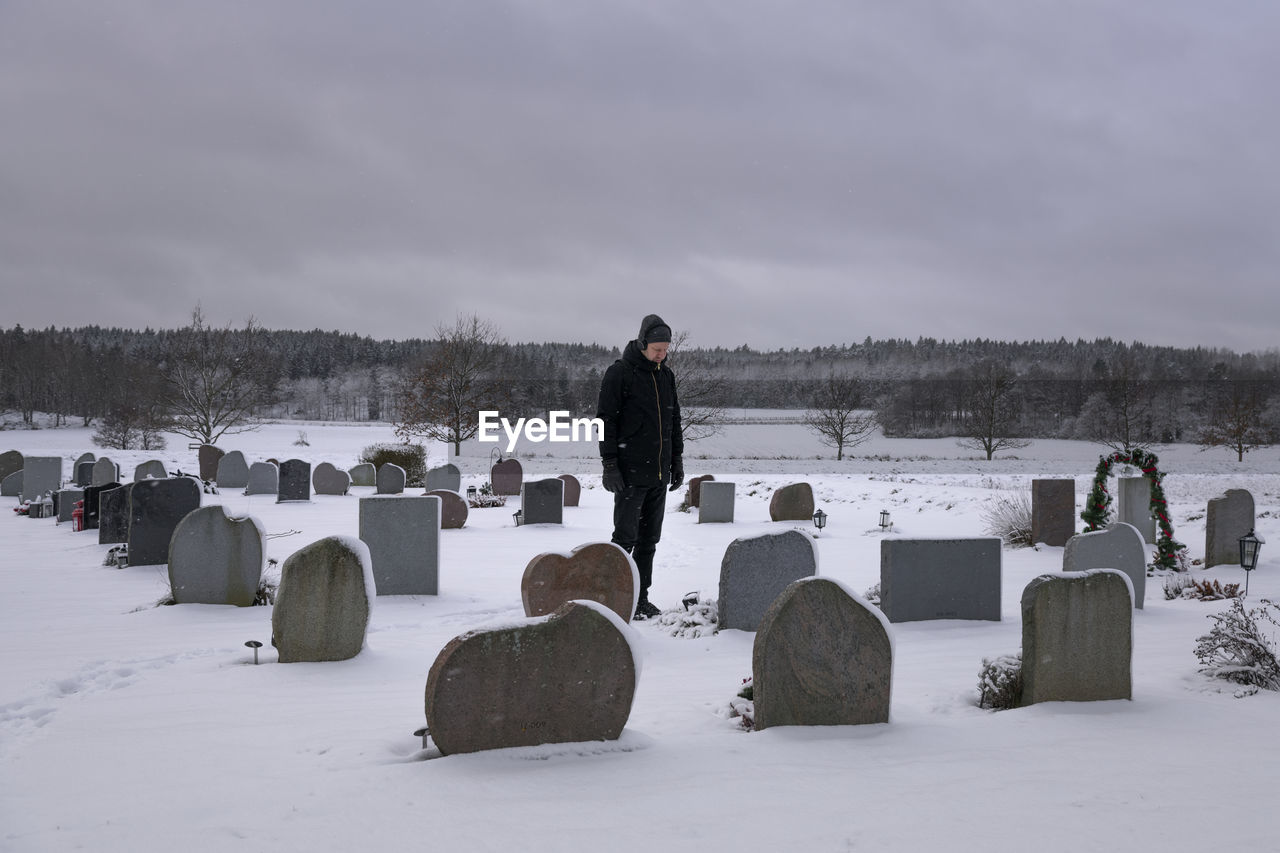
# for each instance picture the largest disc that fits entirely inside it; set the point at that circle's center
(40, 474)
(264, 479)
(1228, 517)
(113, 515)
(155, 508)
(208, 456)
(294, 481)
(446, 477)
(1053, 511)
(10, 463)
(453, 509)
(324, 601)
(507, 477)
(390, 479)
(597, 571)
(66, 503)
(542, 501)
(755, 570)
(11, 486)
(152, 469)
(216, 559)
(695, 489)
(924, 579)
(1133, 506)
(402, 533)
(364, 474)
(105, 471)
(572, 489)
(792, 503)
(1119, 547)
(716, 500)
(328, 480)
(233, 471)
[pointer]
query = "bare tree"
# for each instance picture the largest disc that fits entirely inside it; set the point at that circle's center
(1238, 419)
(837, 414)
(460, 376)
(1121, 414)
(215, 380)
(991, 416)
(700, 391)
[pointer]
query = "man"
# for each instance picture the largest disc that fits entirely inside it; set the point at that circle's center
(642, 446)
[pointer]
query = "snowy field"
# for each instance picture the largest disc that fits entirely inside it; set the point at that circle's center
(125, 726)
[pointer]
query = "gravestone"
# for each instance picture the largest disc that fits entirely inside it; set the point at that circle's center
(822, 657)
(328, 480)
(1118, 547)
(113, 515)
(152, 469)
(1134, 506)
(92, 504)
(390, 479)
(324, 601)
(402, 533)
(364, 474)
(11, 486)
(446, 477)
(216, 559)
(40, 474)
(507, 476)
(572, 489)
(453, 509)
(598, 571)
(1053, 511)
(542, 502)
(209, 456)
(922, 579)
(792, 503)
(66, 503)
(233, 471)
(695, 489)
(264, 479)
(10, 463)
(105, 471)
(155, 508)
(82, 473)
(294, 481)
(563, 678)
(716, 499)
(1229, 516)
(756, 569)
(1077, 638)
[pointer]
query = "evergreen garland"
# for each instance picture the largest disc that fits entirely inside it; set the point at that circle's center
(1098, 505)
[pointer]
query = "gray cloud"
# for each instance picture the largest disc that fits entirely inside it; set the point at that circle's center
(764, 173)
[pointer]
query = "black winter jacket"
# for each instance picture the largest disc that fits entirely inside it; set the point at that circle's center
(641, 415)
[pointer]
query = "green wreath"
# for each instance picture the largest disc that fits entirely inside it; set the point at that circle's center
(1098, 505)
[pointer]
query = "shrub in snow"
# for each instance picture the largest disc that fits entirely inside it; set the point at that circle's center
(1238, 650)
(1009, 517)
(1181, 586)
(872, 595)
(697, 620)
(1000, 682)
(411, 457)
(742, 708)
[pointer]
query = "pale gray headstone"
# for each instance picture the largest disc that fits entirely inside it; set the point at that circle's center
(66, 500)
(1229, 516)
(822, 657)
(1118, 547)
(209, 455)
(507, 476)
(695, 489)
(1133, 506)
(113, 515)
(716, 502)
(40, 474)
(390, 479)
(216, 559)
(792, 503)
(324, 601)
(155, 508)
(233, 471)
(294, 481)
(453, 509)
(542, 501)
(923, 579)
(756, 569)
(364, 474)
(105, 471)
(572, 489)
(1077, 637)
(328, 480)
(264, 479)
(82, 473)
(152, 469)
(1053, 511)
(446, 477)
(11, 485)
(598, 571)
(563, 678)
(402, 533)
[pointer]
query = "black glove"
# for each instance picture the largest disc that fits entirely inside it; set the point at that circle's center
(613, 481)
(677, 474)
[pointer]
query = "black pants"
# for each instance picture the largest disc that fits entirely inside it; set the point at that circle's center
(637, 527)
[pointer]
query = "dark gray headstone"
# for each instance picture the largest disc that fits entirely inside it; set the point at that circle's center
(11, 486)
(294, 482)
(507, 477)
(329, 480)
(65, 501)
(924, 579)
(92, 504)
(209, 455)
(233, 471)
(792, 503)
(105, 471)
(390, 479)
(152, 469)
(10, 463)
(1118, 547)
(542, 501)
(1229, 516)
(822, 657)
(1053, 511)
(715, 500)
(364, 474)
(264, 479)
(565, 678)
(446, 477)
(572, 489)
(82, 473)
(155, 508)
(755, 570)
(324, 601)
(41, 474)
(598, 571)
(113, 515)
(1077, 638)
(403, 536)
(216, 559)
(453, 509)
(695, 489)
(1133, 506)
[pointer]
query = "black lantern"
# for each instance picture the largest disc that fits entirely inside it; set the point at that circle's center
(1250, 544)
(819, 519)
(518, 515)
(471, 493)
(884, 519)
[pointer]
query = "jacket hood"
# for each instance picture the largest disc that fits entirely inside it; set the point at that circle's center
(647, 327)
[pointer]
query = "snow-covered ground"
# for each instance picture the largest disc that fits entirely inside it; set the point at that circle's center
(125, 726)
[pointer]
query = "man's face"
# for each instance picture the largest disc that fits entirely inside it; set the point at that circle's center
(656, 352)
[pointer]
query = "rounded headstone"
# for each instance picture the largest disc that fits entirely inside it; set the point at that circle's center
(324, 602)
(233, 471)
(390, 479)
(792, 503)
(453, 509)
(152, 469)
(572, 490)
(597, 571)
(216, 559)
(364, 474)
(695, 489)
(208, 455)
(328, 480)
(507, 477)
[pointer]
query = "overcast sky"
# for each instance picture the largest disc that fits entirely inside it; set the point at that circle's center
(778, 174)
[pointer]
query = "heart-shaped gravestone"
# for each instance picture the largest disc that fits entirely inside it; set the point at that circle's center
(598, 571)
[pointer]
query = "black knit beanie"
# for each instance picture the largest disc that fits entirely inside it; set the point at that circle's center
(653, 331)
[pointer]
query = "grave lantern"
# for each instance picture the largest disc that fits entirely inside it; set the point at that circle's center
(884, 519)
(819, 519)
(1250, 544)
(518, 515)
(471, 493)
